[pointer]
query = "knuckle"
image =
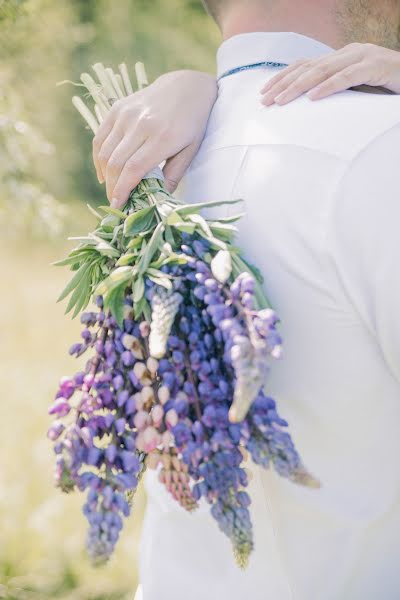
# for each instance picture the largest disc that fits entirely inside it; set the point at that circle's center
(103, 156)
(347, 76)
(321, 70)
(132, 166)
(354, 46)
(147, 122)
(113, 165)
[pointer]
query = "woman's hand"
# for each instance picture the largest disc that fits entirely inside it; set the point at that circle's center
(165, 121)
(353, 65)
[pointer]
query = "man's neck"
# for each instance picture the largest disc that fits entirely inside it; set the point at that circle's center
(313, 18)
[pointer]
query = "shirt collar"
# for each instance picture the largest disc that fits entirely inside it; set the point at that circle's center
(280, 47)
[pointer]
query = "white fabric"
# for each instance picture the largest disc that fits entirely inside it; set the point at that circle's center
(320, 187)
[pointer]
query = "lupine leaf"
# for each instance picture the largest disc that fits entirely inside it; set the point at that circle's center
(135, 242)
(231, 219)
(164, 281)
(113, 211)
(142, 307)
(186, 209)
(94, 212)
(84, 297)
(79, 291)
(138, 289)
(184, 226)
(70, 260)
(79, 275)
(116, 278)
(126, 259)
(151, 248)
(169, 236)
(138, 221)
(115, 302)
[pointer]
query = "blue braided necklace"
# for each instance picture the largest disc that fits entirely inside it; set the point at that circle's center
(259, 65)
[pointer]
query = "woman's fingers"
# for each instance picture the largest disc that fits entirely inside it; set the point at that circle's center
(281, 75)
(351, 66)
(282, 82)
(176, 166)
(343, 80)
(126, 148)
(316, 75)
(306, 77)
(135, 168)
(102, 133)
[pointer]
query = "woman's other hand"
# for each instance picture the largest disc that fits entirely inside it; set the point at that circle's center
(164, 121)
(353, 65)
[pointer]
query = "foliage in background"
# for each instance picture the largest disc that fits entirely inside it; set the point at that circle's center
(45, 150)
(44, 42)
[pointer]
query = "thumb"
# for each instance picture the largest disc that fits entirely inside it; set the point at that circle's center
(176, 166)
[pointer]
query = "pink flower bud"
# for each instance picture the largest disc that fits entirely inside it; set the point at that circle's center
(151, 439)
(166, 439)
(171, 418)
(141, 419)
(163, 394)
(157, 414)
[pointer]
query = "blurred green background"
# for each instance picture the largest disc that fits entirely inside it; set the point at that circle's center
(46, 177)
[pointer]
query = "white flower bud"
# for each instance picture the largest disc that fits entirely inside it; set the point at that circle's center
(221, 266)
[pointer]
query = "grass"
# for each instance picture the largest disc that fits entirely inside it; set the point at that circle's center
(42, 554)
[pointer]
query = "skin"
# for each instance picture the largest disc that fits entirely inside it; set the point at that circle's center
(167, 120)
(352, 66)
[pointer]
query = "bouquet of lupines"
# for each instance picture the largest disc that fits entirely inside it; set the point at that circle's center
(179, 348)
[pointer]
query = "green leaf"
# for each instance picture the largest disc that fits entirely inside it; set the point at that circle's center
(119, 276)
(151, 248)
(93, 211)
(75, 281)
(224, 231)
(187, 209)
(138, 289)
(109, 222)
(126, 259)
(163, 281)
(83, 299)
(186, 227)
(142, 307)
(157, 273)
(79, 294)
(169, 236)
(135, 242)
(199, 220)
(213, 240)
(70, 260)
(173, 218)
(115, 303)
(113, 211)
(231, 219)
(139, 221)
(106, 249)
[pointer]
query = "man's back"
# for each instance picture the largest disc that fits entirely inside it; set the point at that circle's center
(320, 194)
(319, 187)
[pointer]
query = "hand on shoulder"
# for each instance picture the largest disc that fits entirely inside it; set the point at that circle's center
(164, 121)
(353, 65)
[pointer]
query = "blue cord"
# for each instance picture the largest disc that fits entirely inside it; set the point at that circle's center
(259, 65)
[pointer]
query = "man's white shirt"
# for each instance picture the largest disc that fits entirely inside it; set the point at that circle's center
(320, 187)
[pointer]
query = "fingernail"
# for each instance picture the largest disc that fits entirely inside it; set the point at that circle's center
(267, 101)
(312, 94)
(114, 202)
